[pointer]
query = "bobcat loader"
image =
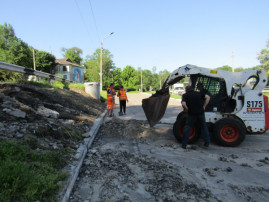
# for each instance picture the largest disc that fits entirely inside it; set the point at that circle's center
(237, 105)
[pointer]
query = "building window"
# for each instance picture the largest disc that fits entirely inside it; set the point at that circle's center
(65, 76)
(64, 69)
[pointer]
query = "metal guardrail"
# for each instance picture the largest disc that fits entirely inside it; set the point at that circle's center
(27, 71)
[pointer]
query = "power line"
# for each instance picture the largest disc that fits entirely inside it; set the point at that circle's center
(83, 20)
(94, 20)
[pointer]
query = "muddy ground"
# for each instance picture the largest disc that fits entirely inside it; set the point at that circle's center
(129, 161)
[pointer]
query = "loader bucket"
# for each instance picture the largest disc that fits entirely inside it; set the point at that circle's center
(154, 107)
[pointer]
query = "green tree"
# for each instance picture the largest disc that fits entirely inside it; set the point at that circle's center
(44, 61)
(74, 54)
(129, 76)
(92, 69)
(155, 82)
(147, 79)
(263, 57)
(239, 69)
(256, 67)
(116, 77)
(163, 75)
(14, 51)
(92, 65)
(226, 68)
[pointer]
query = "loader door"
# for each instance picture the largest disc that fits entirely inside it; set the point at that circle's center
(216, 89)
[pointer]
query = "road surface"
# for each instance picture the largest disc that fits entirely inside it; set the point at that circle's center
(131, 162)
(134, 108)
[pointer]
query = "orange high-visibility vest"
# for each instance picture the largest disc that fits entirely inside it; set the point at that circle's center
(109, 97)
(114, 95)
(123, 95)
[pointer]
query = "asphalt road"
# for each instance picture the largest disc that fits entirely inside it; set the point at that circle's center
(134, 108)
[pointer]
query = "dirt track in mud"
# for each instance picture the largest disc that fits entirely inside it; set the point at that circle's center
(129, 161)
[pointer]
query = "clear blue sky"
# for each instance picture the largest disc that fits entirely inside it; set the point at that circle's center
(162, 33)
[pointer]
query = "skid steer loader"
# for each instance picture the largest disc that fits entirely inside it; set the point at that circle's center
(237, 105)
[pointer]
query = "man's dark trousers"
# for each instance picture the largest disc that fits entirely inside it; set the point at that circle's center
(191, 120)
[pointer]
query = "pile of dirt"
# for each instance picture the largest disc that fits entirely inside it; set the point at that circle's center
(132, 129)
(56, 118)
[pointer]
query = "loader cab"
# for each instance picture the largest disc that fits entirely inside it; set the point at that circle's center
(216, 89)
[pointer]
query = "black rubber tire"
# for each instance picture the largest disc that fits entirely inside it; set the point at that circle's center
(178, 130)
(229, 132)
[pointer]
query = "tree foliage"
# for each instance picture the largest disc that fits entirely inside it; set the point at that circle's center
(92, 69)
(92, 65)
(44, 61)
(226, 68)
(12, 49)
(163, 75)
(239, 69)
(74, 54)
(129, 76)
(263, 57)
(116, 77)
(147, 80)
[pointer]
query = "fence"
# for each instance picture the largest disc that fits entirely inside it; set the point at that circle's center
(27, 72)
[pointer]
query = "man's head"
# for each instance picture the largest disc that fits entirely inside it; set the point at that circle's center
(121, 87)
(188, 88)
(112, 85)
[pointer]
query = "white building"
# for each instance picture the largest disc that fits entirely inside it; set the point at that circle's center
(68, 70)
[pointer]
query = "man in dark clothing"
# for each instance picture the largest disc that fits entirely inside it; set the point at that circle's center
(122, 99)
(195, 103)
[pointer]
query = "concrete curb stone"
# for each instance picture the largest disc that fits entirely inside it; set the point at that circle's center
(80, 155)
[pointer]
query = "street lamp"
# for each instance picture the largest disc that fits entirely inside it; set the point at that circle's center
(101, 67)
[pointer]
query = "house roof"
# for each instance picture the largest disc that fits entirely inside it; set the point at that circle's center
(66, 61)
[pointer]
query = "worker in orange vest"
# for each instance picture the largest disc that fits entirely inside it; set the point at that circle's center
(123, 98)
(114, 96)
(110, 92)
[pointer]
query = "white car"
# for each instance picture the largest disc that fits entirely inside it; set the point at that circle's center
(178, 90)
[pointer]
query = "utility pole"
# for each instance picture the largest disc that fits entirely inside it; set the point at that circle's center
(34, 57)
(233, 60)
(101, 65)
(34, 61)
(141, 82)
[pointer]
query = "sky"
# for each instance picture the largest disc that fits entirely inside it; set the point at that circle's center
(165, 34)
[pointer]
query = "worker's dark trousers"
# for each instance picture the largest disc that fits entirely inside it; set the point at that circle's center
(191, 120)
(123, 106)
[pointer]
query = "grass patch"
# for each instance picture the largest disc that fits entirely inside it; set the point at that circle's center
(103, 96)
(133, 92)
(175, 96)
(56, 84)
(28, 176)
(77, 85)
